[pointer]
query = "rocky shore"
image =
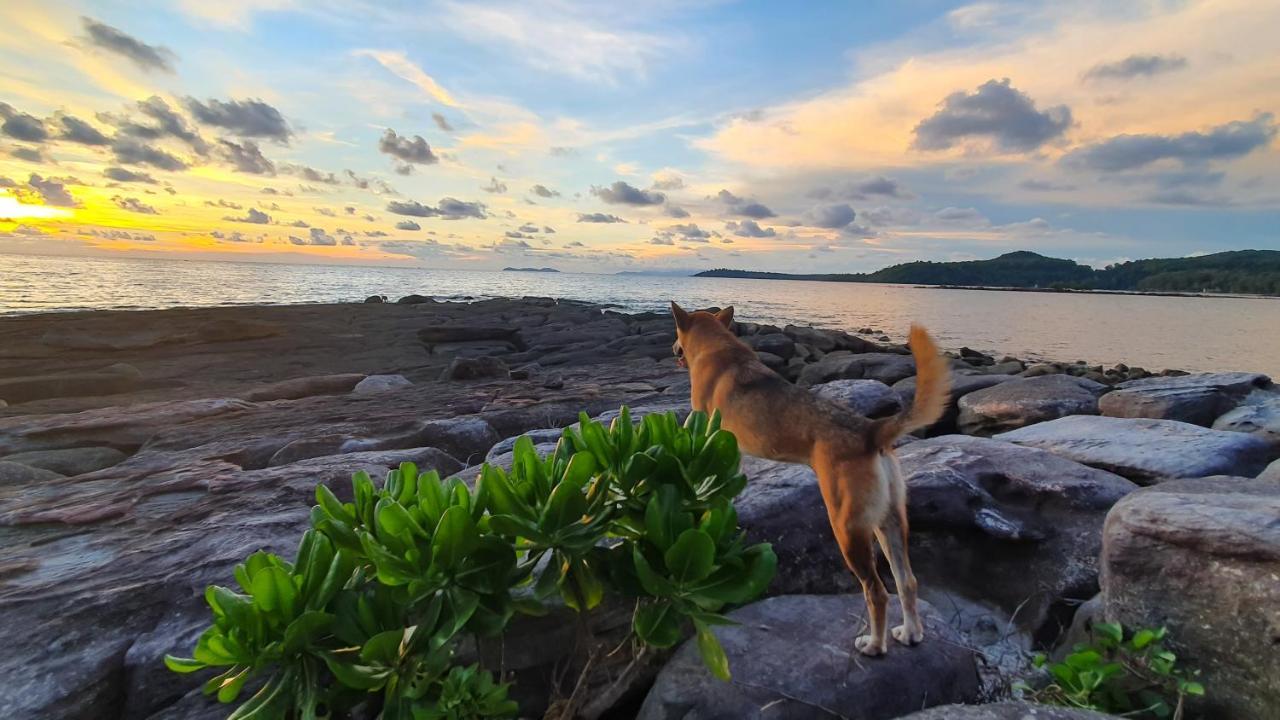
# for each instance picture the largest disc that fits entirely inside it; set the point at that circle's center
(143, 454)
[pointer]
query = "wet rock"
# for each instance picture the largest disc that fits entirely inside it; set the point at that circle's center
(1025, 401)
(1258, 415)
(870, 398)
(305, 387)
(14, 474)
(888, 368)
(1007, 710)
(1197, 399)
(414, 299)
(381, 383)
(375, 299)
(112, 380)
(790, 658)
(775, 343)
(1199, 557)
(961, 385)
(69, 461)
(1146, 451)
(475, 368)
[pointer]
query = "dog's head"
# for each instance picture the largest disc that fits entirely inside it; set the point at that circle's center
(694, 330)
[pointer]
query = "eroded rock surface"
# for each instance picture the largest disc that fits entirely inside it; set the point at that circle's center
(1025, 401)
(1197, 398)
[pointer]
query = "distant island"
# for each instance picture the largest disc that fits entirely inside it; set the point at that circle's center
(1250, 272)
(541, 269)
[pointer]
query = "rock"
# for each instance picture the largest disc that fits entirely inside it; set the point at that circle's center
(829, 340)
(1258, 415)
(1007, 710)
(1198, 399)
(461, 437)
(553, 381)
(414, 299)
(1272, 472)
(542, 436)
(1006, 368)
(888, 368)
(69, 461)
(1041, 369)
(1025, 401)
(775, 343)
(771, 361)
(870, 398)
(526, 372)
(114, 426)
(113, 380)
(374, 299)
(1146, 451)
(298, 388)
(1199, 557)
(381, 383)
(475, 368)
(13, 474)
(961, 385)
(435, 334)
(790, 659)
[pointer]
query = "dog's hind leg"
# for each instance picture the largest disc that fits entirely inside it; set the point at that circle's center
(893, 534)
(860, 553)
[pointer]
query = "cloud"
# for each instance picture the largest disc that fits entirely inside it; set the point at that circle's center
(325, 211)
(406, 70)
(411, 207)
(246, 157)
(246, 118)
(131, 151)
(599, 218)
(32, 155)
(320, 237)
(312, 175)
(408, 225)
(667, 180)
(494, 186)
(255, 216)
(51, 192)
(21, 126)
(171, 123)
(621, 193)
(454, 209)
(688, 231)
(744, 207)
(661, 240)
(575, 244)
(675, 211)
(1044, 186)
(224, 204)
(110, 234)
(997, 112)
(961, 216)
(1136, 66)
(881, 185)
(749, 228)
(133, 205)
(147, 57)
(414, 151)
(442, 122)
(1128, 152)
(544, 191)
(562, 151)
(830, 216)
(78, 131)
(122, 175)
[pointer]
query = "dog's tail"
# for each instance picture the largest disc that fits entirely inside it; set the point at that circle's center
(933, 388)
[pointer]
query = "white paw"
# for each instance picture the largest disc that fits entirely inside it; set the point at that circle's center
(901, 634)
(869, 646)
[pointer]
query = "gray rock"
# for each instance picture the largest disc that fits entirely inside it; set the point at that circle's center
(380, 383)
(870, 398)
(113, 380)
(1199, 557)
(298, 388)
(1146, 451)
(1008, 710)
(1258, 415)
(414, 299)
(1272, 472)
(436, 334)
(888, 368)
(543, 436)
(13, 474)
(69, 461)
(1041, 369)
(790, 659)
(771, 361)
(1006, 368)
(1025, 401)
(475, 368)
(375, 299)
(961, 385)
(114, 426)
(829, 340)
(775, 343)
(1198, 399)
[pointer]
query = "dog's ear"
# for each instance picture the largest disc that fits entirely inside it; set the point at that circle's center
(682, 317)
(725, 316)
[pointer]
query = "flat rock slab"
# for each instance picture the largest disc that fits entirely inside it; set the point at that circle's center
(69, 461)
(869, 398)
(14, 474)
(113, 380)
(1258, 415)
(381, 383)
(1197, 399)
(888, 368)
(1201, 557)
(298, 388)
(1025, 401)
(790, 659)
(1146, 451)
(1012, 710)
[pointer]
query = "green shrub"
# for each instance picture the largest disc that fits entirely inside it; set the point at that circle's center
(383, 587)
(1135, 677)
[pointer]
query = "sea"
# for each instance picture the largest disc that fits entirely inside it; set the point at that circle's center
(1154, 332)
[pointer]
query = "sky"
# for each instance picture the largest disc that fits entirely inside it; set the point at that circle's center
(597, 137)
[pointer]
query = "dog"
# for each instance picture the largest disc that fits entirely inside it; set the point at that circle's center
(861, 482)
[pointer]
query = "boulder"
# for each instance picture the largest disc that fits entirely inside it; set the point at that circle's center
(375, 299)
(69, 461)
(1025, 401)
(414, 299)
(771, 361)
(961, 385)
(1272, 472)
(475, 368)
(790, 659)
(543, 436)
(1007, 710)
(870, 398)
(774, 343)
(1199, 557)
(380, 383)
(298, 388)
(1197, 399)
(888, 368)
(112, 380)
(13, 474)
(1258, 415)
(829, 340)
(1146, 451)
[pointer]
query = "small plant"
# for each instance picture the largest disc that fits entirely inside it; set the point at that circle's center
(372, 609)
(1134, 677)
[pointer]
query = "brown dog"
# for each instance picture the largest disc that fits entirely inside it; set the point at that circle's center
(858, 474)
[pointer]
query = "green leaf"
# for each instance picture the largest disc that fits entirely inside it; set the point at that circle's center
(183, 665)
(1143, 638)
(692, 557)
(565, 507)
(580, 586)
(712, 652)
(383, 649)
(393, 519)
(359, 677)
(273, 590)
(653, 583)
(657, 624)
(455, 537)
(332, 505)
(229, 689)
(307, 628)
(1193, 688)
(1110, 631)
(581, 467)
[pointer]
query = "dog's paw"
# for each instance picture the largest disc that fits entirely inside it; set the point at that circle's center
(902, 635)
(868, 646)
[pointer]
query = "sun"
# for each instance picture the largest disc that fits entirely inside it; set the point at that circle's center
(11, 209)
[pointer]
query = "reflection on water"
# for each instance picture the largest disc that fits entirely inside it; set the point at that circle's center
(1154, 332)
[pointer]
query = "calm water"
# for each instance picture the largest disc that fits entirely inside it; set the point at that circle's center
(1153, 332)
